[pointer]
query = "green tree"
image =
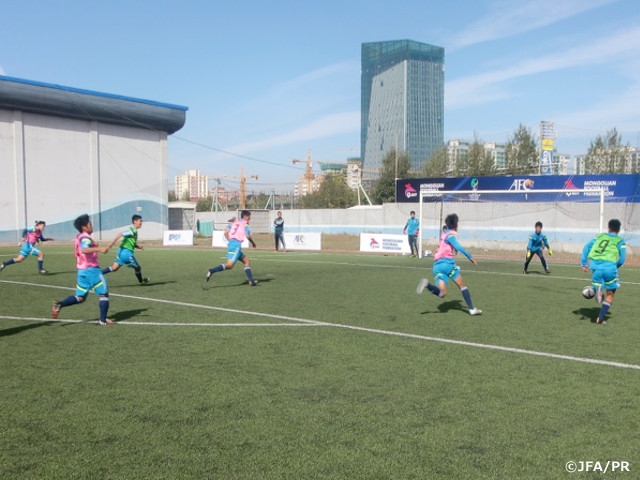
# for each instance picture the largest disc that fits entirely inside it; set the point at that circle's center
(608, 155)
(186, 196)
(384, 190)
(172, 196)
(204, 204)
(479, 161)
(521, 153)
(436, 166)
(333, 193)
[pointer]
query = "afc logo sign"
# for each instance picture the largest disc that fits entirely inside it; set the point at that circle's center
(522, 184)
(174, 237)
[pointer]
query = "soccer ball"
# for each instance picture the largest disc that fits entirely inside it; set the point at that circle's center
(588, 292)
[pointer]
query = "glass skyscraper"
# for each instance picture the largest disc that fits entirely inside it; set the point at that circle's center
(402, 101)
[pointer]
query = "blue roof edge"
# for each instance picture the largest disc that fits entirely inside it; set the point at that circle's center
(92, 93)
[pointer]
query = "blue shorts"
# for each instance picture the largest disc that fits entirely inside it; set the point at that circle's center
(91, 279)
(605, 275)
(234, 251)
(445, 269)
(126, 257)
(28, 249)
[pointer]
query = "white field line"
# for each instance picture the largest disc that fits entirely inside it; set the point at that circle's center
(307, 322)
(469, 269)
(161, 324)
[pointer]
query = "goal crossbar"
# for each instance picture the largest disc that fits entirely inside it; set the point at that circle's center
(444, 193)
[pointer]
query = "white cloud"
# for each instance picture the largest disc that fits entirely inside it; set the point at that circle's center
(507, 18)
(2, 70)
(488, 86)
(327, 126)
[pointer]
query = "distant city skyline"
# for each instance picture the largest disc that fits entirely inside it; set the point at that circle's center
(267, 83)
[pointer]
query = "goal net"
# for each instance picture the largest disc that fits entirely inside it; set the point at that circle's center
(501, 220)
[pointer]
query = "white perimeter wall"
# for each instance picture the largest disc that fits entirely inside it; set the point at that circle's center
(496, 226)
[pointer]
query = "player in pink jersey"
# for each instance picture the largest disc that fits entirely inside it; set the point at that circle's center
(90, 276)
(444, 265)
(30, 238)
(235, 234)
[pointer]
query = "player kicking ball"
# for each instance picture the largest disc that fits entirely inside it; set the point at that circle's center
(235, 235)
(445, 268)
(604, 255)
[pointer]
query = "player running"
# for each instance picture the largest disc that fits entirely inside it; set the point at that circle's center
(604, 255)
(235, 234)
(536, 245)
(445, 268)
(125, 252)
(30, 238)
(90, 276)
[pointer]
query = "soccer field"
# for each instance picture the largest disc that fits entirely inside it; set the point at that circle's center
(330, 368)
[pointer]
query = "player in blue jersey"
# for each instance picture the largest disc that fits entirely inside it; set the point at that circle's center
(411, 229)
(604, 255)
(537, 243)
(125, 252)
(30, 237)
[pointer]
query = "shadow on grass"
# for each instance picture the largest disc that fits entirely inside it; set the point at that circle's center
(140, 285)
(127, 314)
(448, 306)
(211, 286)
(15, 330)
(588, 313)
(53, 274)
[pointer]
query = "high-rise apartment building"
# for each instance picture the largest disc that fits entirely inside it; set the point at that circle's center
(193, 183)
(402, 99)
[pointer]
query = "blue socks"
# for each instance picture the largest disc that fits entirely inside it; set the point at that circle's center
(247, 271)
(104, 307)
(603, 310)
(72, 300)
(433, 289)
(219, 268)
(467, 297)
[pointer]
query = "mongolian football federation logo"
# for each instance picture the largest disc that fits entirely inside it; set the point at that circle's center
(474, 183)
(569, 185)
(374, 243)
(409, 191)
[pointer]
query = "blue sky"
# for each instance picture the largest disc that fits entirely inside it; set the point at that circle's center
(266, 81)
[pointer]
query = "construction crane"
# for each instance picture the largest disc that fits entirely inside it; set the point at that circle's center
(243, 187)
(308, 173)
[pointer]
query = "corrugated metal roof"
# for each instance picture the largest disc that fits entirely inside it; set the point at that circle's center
(55, 100)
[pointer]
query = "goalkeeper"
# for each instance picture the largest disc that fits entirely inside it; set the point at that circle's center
(537, 242)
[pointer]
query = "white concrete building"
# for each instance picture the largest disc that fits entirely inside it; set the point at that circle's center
(65, 152)
(193, 182)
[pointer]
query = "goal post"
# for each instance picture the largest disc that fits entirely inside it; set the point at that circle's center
(503, 219)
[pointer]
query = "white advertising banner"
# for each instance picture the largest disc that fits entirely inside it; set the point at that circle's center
(178, 237)
(303, 241)
(384, 243)
(218, 240)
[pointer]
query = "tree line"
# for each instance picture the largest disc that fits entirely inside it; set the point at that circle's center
(606, 155)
